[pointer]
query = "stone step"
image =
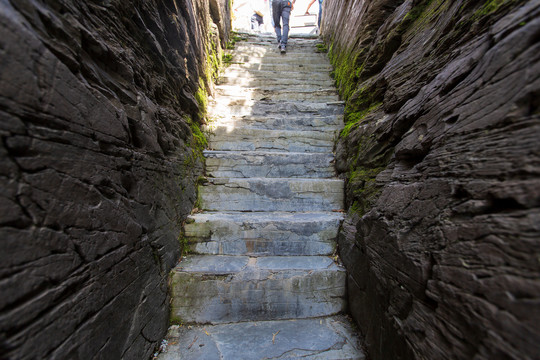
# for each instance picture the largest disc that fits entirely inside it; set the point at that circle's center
(263, 56)
(270, 108)
(283, 66)
(275, 93)
(278, 81)
(246, 139)
(220, 288)
(293, 47)
(281, 121)
(285, 73)
(265, 194)
(244, 164)
(328, 338)
(263, 233)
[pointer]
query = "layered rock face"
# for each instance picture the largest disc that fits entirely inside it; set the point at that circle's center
(100, 105)
(440, 150)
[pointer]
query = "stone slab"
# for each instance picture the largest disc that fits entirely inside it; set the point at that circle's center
(329, 338)
(266, 194)
(207, 289)
(244, 164)
(284, 73)
(302, 121)
(272, 108)
(246, 139)
(274, 233)
(276, 93)
(321, 67)
(252, 81)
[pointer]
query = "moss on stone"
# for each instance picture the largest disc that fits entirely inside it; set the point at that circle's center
(491, 6)
(366, 191)
(355, 118)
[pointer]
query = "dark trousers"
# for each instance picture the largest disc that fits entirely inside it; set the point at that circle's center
(281, 10)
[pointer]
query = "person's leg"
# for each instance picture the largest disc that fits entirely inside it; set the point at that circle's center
(320, 15)
(276, 15)
(285, 15)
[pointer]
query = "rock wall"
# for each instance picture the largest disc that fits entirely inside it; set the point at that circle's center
(440, 151)
(100, 106)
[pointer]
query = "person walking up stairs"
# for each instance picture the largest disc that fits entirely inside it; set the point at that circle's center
(262, 280)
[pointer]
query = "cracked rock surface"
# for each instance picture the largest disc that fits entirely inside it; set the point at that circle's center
(94, 97)
(261, 281)
(443, 259)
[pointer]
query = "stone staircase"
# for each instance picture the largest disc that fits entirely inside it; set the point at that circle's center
(261, 281)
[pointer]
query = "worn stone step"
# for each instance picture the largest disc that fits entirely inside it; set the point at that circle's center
(244, 164)
(267, 89)
(232, 107)
(293, 47)
(263, 56)
(220, 289)
(300, 92)
(266, 194)
(328, 338)
(285, 73)
(246, 139)
(251, 81)
(305, 121)
(263, 233)
(283, 66)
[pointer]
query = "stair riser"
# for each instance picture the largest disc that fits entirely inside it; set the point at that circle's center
(260, 296)
(262, 238)
(276, 144)
(282, 67)
(270, 140)
(291, 195)
(270, 166)
(300, 74)
(289, 109)
(284, 122)
(322, 96)
(273, 58)
(255, 82)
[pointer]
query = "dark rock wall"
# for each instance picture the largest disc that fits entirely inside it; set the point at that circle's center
(442, 159)
(100, 103)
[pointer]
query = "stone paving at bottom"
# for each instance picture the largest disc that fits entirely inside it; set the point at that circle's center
(325, 338)
(261, 280)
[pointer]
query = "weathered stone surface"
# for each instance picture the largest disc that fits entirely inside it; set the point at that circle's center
(443, 255)
(273, 214)
(95, 98)
(246, 139)
(221, 289)
(269, 164)
(329, 338)
(274, 233)
(305, 121)
(267, 194)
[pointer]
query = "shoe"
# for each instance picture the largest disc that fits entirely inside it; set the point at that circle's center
(282, 49)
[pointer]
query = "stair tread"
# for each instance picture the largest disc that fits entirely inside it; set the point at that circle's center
(321, 338)
(231, 264)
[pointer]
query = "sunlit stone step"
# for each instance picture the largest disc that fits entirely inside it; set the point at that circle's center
(219, 289)
(285, 73)
(263, 233)
(275, 93)
(265, 194)
(292, 109)
(324, 82)
(306, 121)
(244, 164)
(246, 139)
